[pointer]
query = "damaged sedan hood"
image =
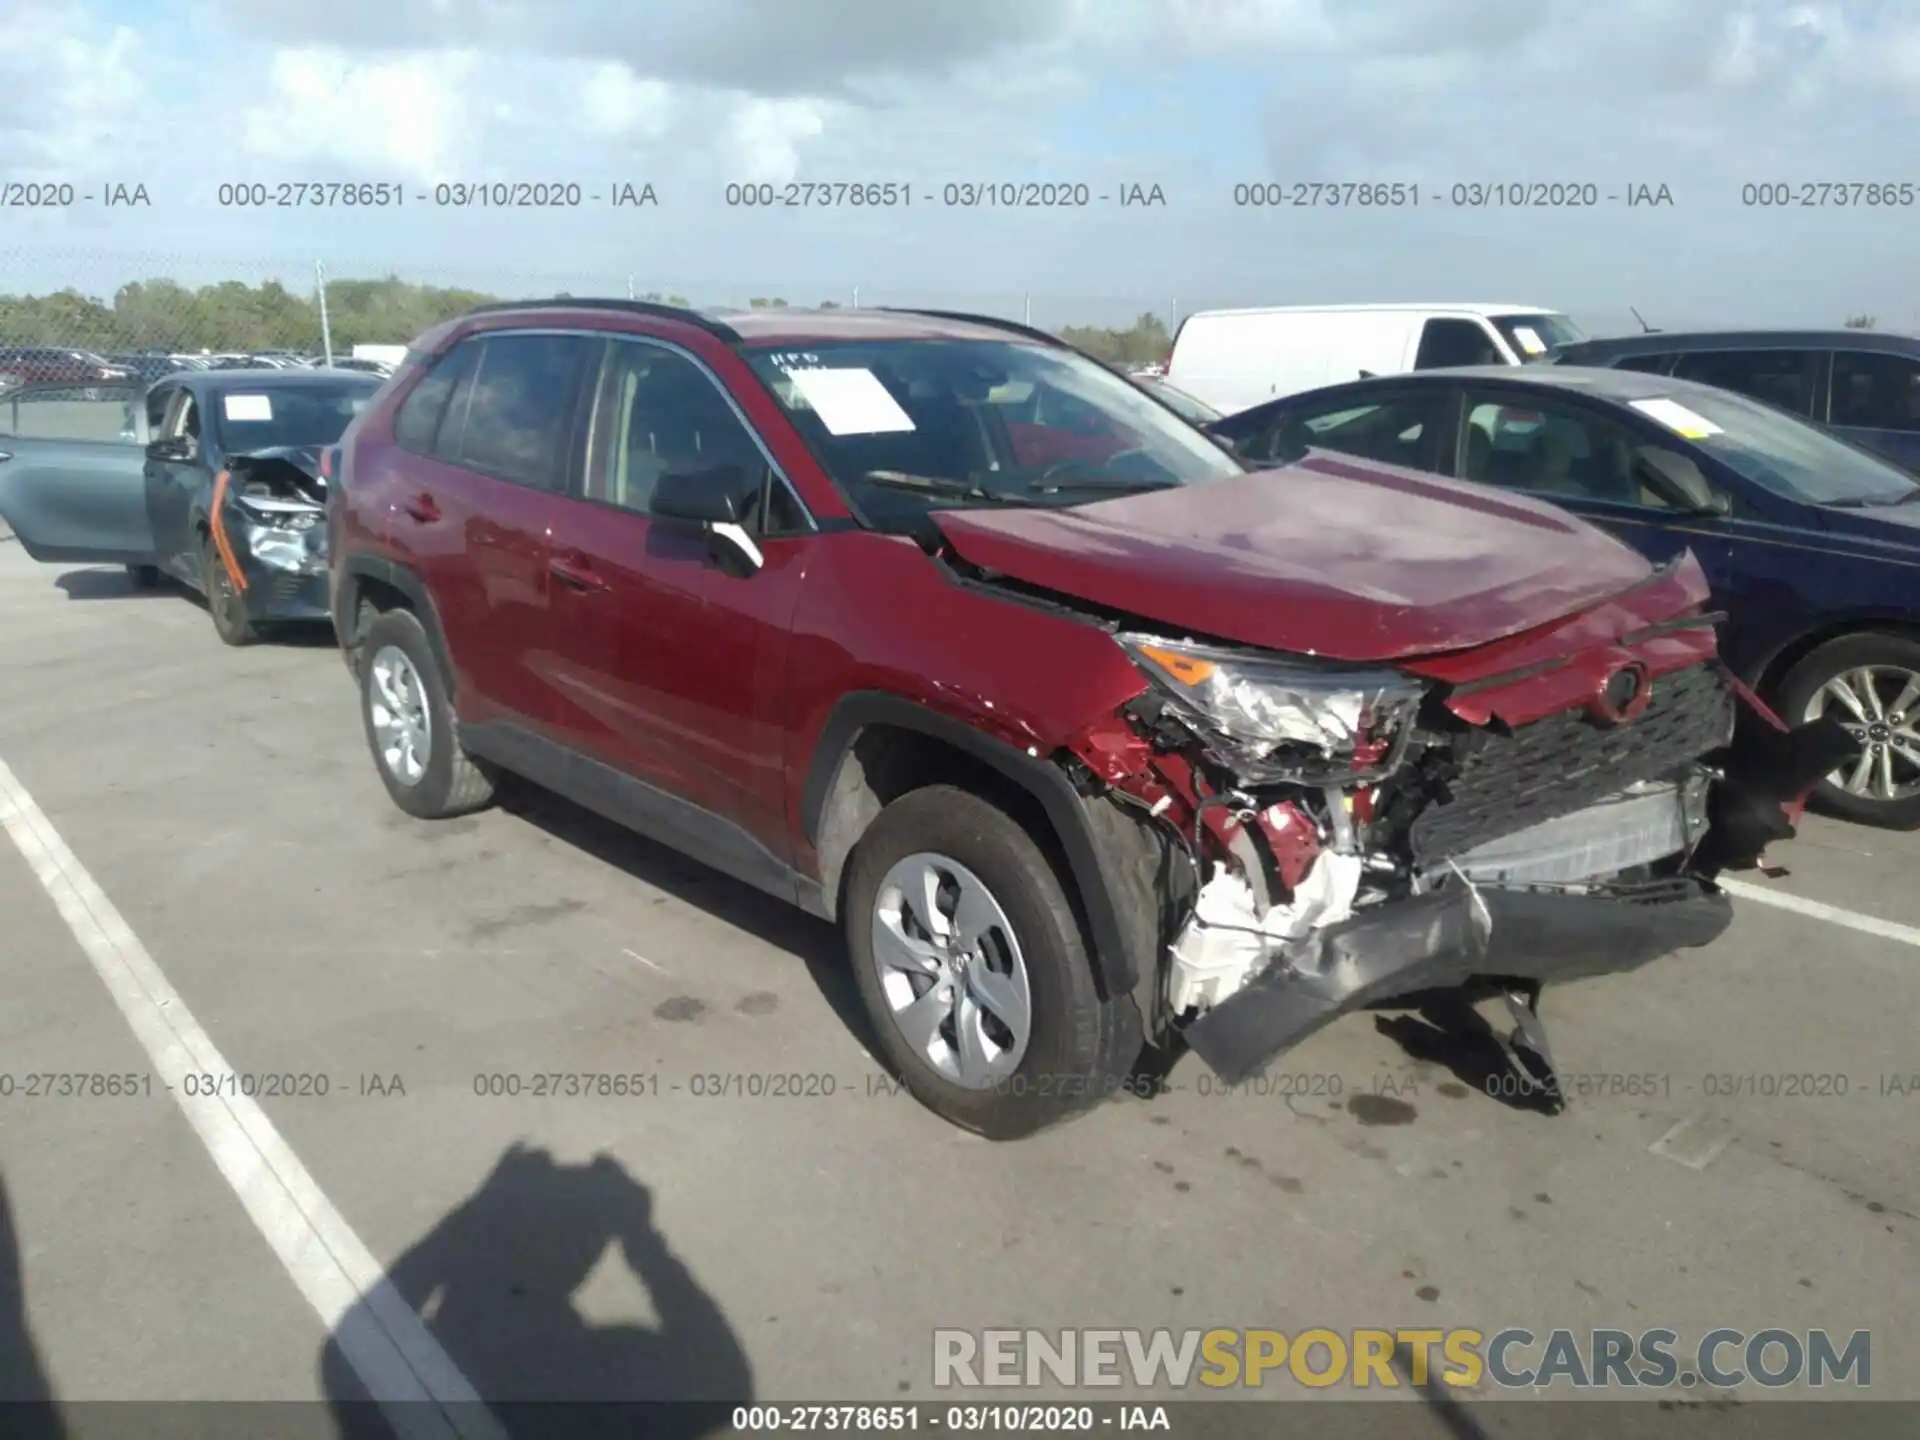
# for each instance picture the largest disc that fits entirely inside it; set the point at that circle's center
(1328, 556)
(287, 472)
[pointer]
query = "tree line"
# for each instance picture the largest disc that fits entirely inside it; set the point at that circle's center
(166, 315)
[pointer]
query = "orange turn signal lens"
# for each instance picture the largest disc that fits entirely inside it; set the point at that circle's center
(1184, 668)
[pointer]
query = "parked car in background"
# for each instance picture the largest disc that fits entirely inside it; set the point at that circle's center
(216, 480)
(1233, 359)
(1087, 750)
(147, 368)
(356, 362)
(1193, 411)
(1862, 384)
(55, 365)
(391, 355)
(1811, 544)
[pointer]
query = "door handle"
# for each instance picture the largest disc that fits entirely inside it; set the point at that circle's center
(423, 508)
(574, 572)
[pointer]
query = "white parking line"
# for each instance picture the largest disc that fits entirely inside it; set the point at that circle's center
(1813, 909)
(401, 1365)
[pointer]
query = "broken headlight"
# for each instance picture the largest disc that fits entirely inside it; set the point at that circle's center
(1276, 717)
(283, 533)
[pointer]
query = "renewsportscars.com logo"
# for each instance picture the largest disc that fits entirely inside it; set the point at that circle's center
(1511, 1359)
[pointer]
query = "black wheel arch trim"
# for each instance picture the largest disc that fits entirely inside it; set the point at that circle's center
(419, 599)
(1771, 668)
(1116, 968)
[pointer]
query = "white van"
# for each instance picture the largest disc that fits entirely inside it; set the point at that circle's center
(1234, 359)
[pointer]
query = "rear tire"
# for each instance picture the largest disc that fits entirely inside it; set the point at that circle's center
(224, 601)
(410, 724)
(1015, 947)
(1881, 674)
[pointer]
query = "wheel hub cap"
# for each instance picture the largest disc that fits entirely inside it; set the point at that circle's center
(397, 708)
(1876, 705)
(951, 970)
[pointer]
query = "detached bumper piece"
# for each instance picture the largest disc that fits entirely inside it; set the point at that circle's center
(1512, 941)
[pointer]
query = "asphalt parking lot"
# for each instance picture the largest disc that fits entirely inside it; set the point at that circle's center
(282, 919)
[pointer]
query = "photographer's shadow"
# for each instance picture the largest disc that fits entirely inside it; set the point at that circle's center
(494, 1284)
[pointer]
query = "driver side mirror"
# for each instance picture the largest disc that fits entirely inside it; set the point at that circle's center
(1679, 479)
(182, 448)
(713, 500)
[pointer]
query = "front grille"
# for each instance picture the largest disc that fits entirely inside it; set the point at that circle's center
(1565, 763)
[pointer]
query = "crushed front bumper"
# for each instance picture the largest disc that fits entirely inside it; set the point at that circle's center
(1517, 940)
(276, 596)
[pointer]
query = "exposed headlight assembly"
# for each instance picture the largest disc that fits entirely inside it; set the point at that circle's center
(1273, 717)
(284, 533)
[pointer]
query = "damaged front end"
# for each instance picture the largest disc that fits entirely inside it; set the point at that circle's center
(1351, 835)
(268, 517)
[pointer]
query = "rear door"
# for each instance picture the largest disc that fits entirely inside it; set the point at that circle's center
(71, 484)
(1875, 403)
(472, 516)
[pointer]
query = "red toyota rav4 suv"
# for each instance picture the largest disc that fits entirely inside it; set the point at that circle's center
(1098, 743)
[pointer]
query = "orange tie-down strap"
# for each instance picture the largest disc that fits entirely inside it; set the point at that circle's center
(217, 524)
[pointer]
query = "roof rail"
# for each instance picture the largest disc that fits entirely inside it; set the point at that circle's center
(992, 321)
(685, 316)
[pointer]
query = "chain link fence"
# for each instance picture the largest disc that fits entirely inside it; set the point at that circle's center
(62, 315)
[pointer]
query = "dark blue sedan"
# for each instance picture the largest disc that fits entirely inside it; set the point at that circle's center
(1812, 544)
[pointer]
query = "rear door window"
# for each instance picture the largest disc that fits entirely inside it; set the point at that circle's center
(1646, 364)
(1876, 392)
(517, 418)
(1786, 378)
(1447, 343)
(418, 423)
(1398, 429)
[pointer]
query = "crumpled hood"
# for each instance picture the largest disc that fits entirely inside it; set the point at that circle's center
(1328, 556)
(291, 471)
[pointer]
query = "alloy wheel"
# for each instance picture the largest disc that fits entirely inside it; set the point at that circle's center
(402, 724)
(952, 971)
(1879, 705)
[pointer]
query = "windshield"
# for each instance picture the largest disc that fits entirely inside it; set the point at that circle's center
(289, 415)
(1536, 337)
(906, 425)
(1780, 452)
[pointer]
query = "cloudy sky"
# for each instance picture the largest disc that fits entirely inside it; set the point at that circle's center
(1196, 97)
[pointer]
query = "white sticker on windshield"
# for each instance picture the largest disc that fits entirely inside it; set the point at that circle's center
(247, 407)
(1677, 418)
(1529, 339)
(850, 402)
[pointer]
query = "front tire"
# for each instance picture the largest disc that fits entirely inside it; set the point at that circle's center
(410, 724)
(970, 959)
(1870, 682)
(224, 601)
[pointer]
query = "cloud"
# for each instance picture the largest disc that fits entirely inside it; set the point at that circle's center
(770, 48)
(764, 138)
(1195, 95)
(615, 102)
(66, 88)
(411, 116)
